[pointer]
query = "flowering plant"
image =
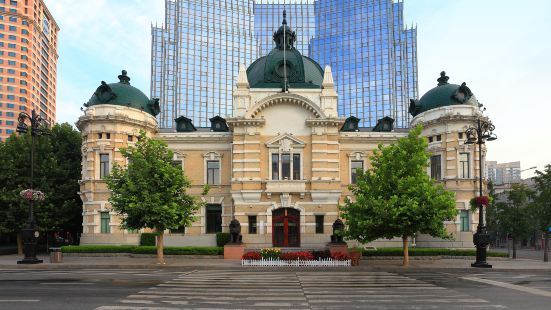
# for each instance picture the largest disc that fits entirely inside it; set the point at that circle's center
(340, 256)
(32, 195)
(480, 201)
(252, 256)
(270, 253)
(303, 255)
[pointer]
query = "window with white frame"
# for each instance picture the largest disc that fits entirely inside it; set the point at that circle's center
(464, 166)
(354, 166)
(436, 167)
(213, 172)
(286, 166)
(103, 165)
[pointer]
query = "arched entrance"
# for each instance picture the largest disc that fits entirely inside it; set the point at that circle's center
(286, 227)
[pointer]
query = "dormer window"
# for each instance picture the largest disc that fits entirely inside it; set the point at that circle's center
(184, 124)
(218, 124)
(350, 124)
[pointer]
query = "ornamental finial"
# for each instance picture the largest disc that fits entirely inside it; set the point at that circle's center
(123, 78)
(443, 79)
(284, 17)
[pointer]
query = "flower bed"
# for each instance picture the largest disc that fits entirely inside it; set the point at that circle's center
(274, 258)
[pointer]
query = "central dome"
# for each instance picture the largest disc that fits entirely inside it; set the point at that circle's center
(285, 64)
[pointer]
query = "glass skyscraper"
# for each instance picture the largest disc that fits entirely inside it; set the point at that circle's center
(372, 54)
(195, 57)
(267, 19)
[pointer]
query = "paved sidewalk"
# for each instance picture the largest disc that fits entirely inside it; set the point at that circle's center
(187, 263)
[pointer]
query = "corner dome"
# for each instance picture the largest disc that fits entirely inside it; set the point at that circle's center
(444, 94)
(283, 64)
(123, 94)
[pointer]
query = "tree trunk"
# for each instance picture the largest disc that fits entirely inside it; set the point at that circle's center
(160, 246)
(406, 251)
(514, 247)
(546, 246)
(19, 244)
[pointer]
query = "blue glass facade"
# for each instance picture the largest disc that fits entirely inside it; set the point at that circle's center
(267, 19)
(195, 57)
(372, 54)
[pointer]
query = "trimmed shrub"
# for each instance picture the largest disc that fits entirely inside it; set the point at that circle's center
(252, 256)
(142, 249)
(222, 238)
(185, 250)
(148, 239)
(98, 248)
(428, 252)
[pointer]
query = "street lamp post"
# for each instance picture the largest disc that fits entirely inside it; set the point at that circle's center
(30, 234)
(479, 135)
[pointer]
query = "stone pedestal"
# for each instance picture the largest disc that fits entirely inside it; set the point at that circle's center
(234, 251)
(337, 248)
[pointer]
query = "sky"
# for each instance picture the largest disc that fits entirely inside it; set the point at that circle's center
(500, 48)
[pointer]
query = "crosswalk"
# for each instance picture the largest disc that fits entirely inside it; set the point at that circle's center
(265, 289)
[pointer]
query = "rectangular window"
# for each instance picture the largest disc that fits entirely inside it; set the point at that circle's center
(100, 135)
(436, 167)
(103, 165)
(180, 230)
(107, 136)
(213, 172)
(252, 224)
(354, 166)
(464, 166)
(460, 135)
(285, 166)
(177, 163)
(214, 219)
(130, 138)
(464, 217)
(105, 223)
(319, 224)
(275, 166)
(296, 166)
(430, 139)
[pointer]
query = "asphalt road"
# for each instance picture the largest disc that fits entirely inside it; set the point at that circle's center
(242, 288)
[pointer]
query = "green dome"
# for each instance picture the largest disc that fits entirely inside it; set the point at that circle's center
(123, 94)
(270, 71)
(443, 95)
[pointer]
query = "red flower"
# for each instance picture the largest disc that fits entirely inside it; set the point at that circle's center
(252, 256)
(340, 256)
(482, 201)
(303, 255)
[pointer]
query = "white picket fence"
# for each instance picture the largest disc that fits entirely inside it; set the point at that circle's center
(295, 263)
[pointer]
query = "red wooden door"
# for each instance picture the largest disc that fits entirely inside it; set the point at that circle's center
(286, 228)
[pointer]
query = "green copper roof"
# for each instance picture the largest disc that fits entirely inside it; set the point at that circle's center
(285, 61)
(444, 94)
(123, 94)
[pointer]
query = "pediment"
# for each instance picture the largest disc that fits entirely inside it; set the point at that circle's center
(285, 142)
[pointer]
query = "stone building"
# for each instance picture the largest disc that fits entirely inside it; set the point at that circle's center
(282, 163)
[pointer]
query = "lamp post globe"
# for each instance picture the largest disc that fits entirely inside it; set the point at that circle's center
(30, 234)
(479, 135)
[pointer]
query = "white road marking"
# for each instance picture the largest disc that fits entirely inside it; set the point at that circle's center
(19, 300)
(64, 283)
(521, 288)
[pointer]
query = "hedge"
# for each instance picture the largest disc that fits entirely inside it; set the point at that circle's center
(98, 248)
(134, 249)
(222, 238)
(428, 252)
(148, 239)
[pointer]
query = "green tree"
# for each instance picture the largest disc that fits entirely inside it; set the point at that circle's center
(57, 170)
(396, 198)
(518, 219)
(151, 192)
(541, 208)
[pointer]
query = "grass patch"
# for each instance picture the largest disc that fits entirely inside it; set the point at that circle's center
(135, 249)
(429, 252)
